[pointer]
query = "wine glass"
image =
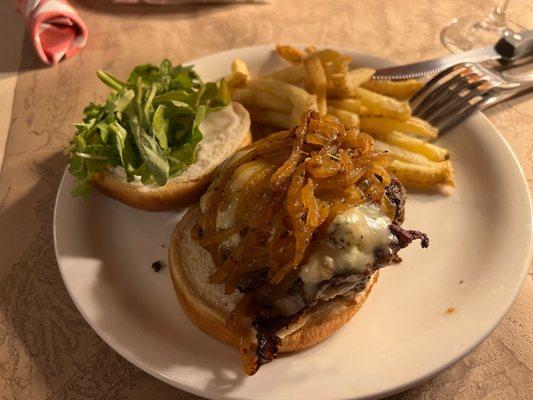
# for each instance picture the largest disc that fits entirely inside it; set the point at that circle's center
(471, 31)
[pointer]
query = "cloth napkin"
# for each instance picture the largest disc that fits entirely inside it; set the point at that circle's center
(55, 28)
(165, 2)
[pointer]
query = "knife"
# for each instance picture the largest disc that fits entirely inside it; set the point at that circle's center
(510, 47)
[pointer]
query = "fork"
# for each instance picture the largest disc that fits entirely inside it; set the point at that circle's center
(454, 94)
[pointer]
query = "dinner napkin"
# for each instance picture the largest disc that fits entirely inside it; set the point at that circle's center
(163, 2)
(55, 28)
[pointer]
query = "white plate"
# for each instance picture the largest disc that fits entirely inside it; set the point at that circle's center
(480, 247)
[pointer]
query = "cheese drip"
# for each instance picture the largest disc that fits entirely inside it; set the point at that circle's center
(350, 246)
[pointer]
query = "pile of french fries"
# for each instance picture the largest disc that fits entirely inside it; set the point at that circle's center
(323, 81)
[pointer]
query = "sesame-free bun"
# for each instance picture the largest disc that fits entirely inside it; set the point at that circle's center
(184, 189)
(209, 308)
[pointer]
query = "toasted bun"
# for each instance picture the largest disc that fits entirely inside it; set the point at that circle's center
(187, 187)
(209, 308)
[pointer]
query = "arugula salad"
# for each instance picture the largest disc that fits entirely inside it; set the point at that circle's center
(148, 125)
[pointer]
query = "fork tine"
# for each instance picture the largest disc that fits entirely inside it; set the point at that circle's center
(441, 94)
(447, 97)
(420, 95)
(454, 94)
(433, 94)
(469, 109)
(455, 108)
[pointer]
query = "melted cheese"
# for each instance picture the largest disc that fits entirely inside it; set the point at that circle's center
(226, 217)
(353, 238)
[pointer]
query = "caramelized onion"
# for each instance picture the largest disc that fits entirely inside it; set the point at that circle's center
(287, 186)
(289, 166)
(285, 189)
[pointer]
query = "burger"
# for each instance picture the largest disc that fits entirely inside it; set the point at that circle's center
(287, 242)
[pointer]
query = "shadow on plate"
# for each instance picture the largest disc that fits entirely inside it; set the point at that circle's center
(199, 346)
(125, 285)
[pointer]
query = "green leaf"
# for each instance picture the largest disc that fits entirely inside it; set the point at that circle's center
(224, 95)
(200, 115)
(160, 125)
(82, 189)
(102, 128)
(144, 173)
(139, 103)
(216, 95)
(153, 156)
(186, 153)
(180, 131)
(120, 135)
(184, 79)
(148, 109)
(75, 164)
(123, 146)
(147, 73)
(165, 67)
(93, 111)
(181, 108)
(110, 80)
(121, 100)
(178, 97)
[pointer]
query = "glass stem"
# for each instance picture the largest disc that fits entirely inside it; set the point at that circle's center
(497, 16)
(501, 7)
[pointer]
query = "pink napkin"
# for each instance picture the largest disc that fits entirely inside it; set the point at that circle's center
(55, 28)
(167, 2)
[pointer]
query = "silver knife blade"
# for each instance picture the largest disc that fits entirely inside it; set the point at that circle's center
(437, 65)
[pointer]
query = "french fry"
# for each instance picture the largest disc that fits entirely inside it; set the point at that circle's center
(401, 90)
(378, 107)
(422, 175)
(301, 100)
(429, 171)
(352, 105)
(315, 82)
(348, 82)
(333, 92)
(270, 117)
(290, 54)
(326, 55)
(296, 95)
(239, 74)
(431, 151)
(401, 154)
(378, 104)
(347, 118)
(414, 126)
(255, 98)
(293, 74)
(339, 65)
(310, 49)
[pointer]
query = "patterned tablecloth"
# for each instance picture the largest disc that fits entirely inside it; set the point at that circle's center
(47, 350)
